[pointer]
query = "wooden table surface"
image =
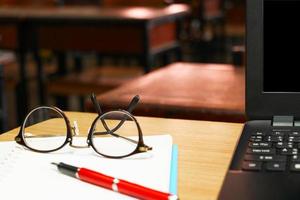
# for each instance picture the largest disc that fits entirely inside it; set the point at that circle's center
(91, 12)
(205, 150)
(184, 90)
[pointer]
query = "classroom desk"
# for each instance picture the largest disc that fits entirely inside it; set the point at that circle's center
(129, 31)
(214, 92)
(205, 150)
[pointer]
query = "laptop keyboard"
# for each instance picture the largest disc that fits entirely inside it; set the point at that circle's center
(274, 151)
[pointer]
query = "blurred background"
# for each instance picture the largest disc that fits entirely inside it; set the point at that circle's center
(56, 52)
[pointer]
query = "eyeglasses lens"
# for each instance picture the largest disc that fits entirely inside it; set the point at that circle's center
(45, 129)
(115, 134)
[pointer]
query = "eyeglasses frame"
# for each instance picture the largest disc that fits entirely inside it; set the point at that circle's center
(140, 148)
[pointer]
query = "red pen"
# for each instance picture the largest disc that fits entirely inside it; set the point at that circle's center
(115, 184)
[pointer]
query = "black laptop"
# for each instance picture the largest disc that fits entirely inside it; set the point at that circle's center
(266, 162)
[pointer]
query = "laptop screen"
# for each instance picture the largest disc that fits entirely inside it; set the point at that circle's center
(273, 59)
(281, 46)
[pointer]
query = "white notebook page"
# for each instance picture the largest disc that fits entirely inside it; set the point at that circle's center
(29, 175)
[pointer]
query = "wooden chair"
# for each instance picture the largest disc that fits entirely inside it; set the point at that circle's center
(11, 84)
(238, 55)
(235, 17)
(91, 80)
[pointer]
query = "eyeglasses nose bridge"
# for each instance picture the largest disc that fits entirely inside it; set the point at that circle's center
(75, 129)
(78, 146)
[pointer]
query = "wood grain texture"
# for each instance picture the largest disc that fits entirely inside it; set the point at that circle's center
(93, 12)
(205, 150)
(120, 3)
(163, 34)
(103, 38)
(8, 36)
(184, 90)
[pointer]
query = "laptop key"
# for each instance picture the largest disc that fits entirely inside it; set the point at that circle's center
(275, 166)
(278, 133)
(278, 158)
(259, 133)
(294, 133)
(281, 145)
(258, 138)
(295, 158)
(295, 166)
(288, 151)
(293, 139)
(252, 165)
(260, 144)
(274, 138)
(261, 151)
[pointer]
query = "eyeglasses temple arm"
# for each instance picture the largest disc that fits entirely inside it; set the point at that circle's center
(116, 135)
(135, 100)
(96, 104)
(98, 108)
(130, 108)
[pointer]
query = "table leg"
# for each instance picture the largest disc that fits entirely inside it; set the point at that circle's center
(3, 117)
(78, 68)
(178, 54)
(78, 62)
(168, 56)
(40, 77)
(61, 101)
(147, 62)
(147, 58)
(22, 97)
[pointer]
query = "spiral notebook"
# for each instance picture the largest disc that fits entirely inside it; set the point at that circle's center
(28, 175)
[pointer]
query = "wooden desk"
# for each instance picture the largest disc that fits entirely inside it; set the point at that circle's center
(184, 90)
(205, 150)
(128, 30)
(131, 31)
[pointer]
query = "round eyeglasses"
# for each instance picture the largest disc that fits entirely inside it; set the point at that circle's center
(114, 134)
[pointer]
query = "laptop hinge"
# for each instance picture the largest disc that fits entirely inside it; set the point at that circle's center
(283, 121)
